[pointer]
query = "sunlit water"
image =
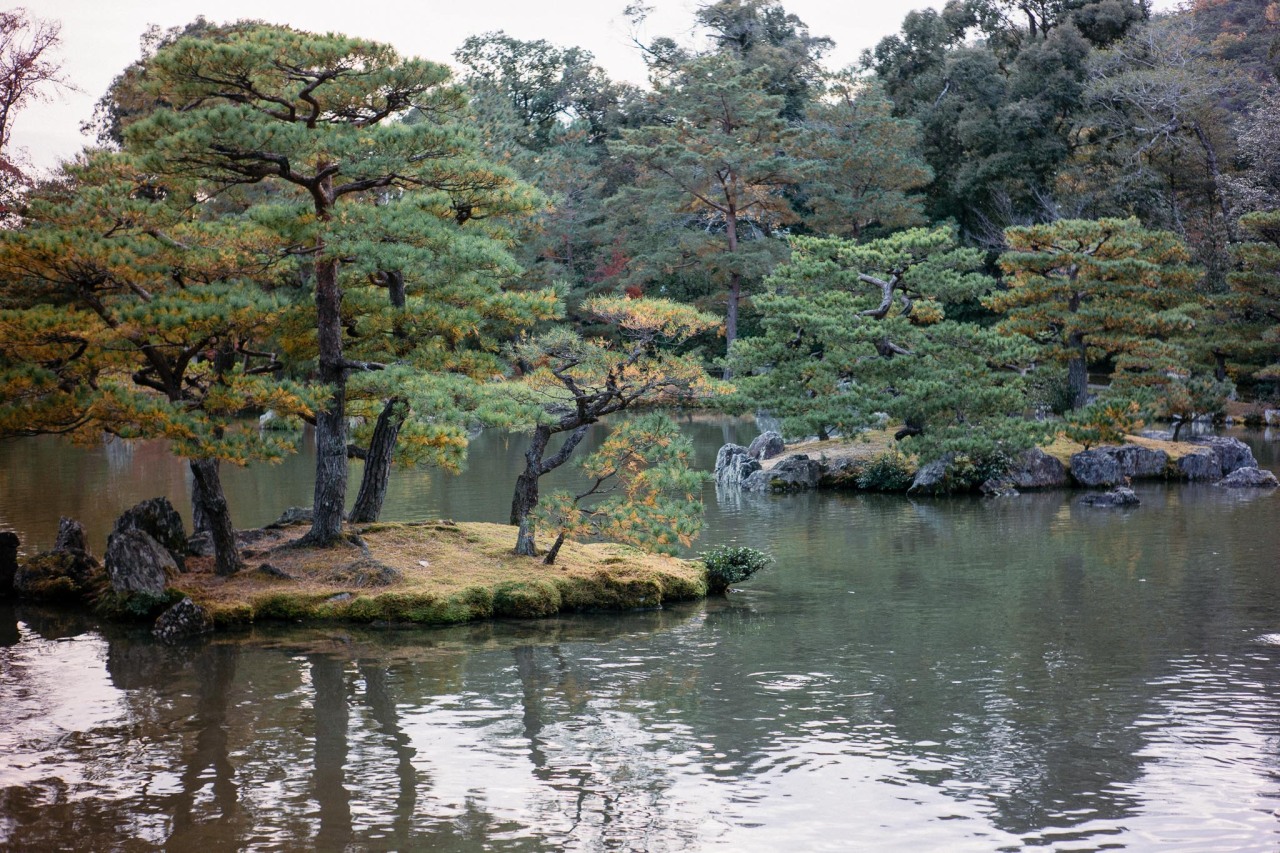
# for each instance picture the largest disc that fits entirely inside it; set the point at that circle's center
(957, 674)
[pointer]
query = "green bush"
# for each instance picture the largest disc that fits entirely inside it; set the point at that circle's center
(888, 472)
(727, 565)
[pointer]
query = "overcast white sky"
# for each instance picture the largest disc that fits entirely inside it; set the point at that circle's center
(100, 37)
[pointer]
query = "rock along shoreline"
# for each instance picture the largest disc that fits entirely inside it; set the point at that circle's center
(766, 467)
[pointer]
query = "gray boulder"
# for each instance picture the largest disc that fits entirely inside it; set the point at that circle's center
(8, 562)
(138, 564)
(70, 536)
(767, 445)
(1232, 452)
(1096, 467)
(931, 479)
(796, 473)
(291, 516)
(734, 465)
(1107, 466)
(158, 519)
(1271, 417)
(999, 487)
(1119, 497)
(1250, 478)
(1035, 469)
(182, 620)
(1201, 465)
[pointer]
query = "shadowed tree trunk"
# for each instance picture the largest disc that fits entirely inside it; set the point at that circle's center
(211, 507)
(1078, 372)
(377, 462)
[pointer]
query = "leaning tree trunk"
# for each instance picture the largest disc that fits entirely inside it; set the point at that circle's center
(208, 495)
(331, 423)
(377, 462)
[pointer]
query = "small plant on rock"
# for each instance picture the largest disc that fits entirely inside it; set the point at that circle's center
(728, 565)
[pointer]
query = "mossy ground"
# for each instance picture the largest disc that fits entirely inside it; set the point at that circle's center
(865, 446)
(1063, 448)
(434, 573)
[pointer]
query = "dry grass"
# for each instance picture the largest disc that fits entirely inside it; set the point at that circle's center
(867, 445)
(1062, 448)
(436, 573)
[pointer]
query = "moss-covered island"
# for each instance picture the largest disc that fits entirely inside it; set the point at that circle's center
(431, 573)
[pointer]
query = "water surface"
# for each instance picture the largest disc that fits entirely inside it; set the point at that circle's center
(912, 675)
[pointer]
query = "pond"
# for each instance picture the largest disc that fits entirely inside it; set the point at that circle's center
(959, 674)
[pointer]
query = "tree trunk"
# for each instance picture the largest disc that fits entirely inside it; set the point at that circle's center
(525, 498)
(208, 494)
(1078, 372)
(735, 289)
(550, 559)
(377, 461)
(331, 423)
(1219, 365)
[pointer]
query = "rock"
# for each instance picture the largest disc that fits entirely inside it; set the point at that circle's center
(1232, 452)
(796, 473)
(158, 519)
(1107, 466)
(931, 479)
(292, 515)
(70, 536)
(766, 446)
(70, 575)
(1245, 478)
(138, 564)
(182, 620)
(1118, 497)
(274, 572)
(840, 474)
(1201, 466)
(999, 487)
(1271, 417)
(8, 562)
(734, 465)
(1035, 469)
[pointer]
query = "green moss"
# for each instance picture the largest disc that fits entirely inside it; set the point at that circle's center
(526, 599)
(135, 606)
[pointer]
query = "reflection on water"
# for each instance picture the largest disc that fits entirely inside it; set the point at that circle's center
(912, 675)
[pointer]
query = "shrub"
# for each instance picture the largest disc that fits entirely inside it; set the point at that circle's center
(727, 565)
(888, 472)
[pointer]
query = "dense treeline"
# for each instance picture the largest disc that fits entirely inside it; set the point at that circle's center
(999, 200)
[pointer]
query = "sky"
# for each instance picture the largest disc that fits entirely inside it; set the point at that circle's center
(101, 37)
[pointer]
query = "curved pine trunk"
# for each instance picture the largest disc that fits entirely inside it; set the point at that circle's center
(208, 495)
(525, 499)
(377, 462)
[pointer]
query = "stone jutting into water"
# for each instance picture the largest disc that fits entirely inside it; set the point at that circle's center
(1035, 469)
(734, 465)
(1233, 454)
(1246, 478)
(158, 519)
(931, 479)
(182, 620)
(1109, 466)
(70, 536)
(797, 473)
(138, 564)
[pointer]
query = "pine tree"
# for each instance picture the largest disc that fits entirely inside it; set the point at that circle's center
(571, 382)
(320, 118)
(857, 335)
(641, 491)
(710, 191)
(127, 315)
(1088, 290)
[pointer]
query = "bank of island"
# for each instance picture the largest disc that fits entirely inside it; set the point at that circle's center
(388, 574)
